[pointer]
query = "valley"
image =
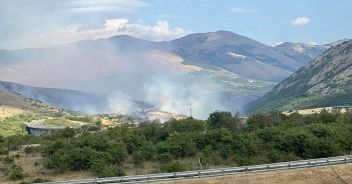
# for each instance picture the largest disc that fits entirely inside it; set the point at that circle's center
(185, 114)
(196, 92)
(227, 69)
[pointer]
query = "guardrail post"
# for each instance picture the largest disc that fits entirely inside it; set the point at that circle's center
(268, 167)
(308, 164)
(345, 160)
(199, 174)
(289, 166)
(95, 180)
(174, 176)
(121, 179)
(246, 169)
(148, 178)
(223, 172)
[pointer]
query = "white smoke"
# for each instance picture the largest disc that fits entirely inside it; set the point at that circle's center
(121, 103)
(179, 95)
(174, 93)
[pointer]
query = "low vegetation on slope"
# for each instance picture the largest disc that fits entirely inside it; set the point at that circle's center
(177, 145)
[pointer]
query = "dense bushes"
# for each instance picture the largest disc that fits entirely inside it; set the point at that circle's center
(179, 145)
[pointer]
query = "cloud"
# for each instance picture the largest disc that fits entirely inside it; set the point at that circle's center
(86, 6)
(158, 32)
(300, 21)
(242, 10)
(45, 17)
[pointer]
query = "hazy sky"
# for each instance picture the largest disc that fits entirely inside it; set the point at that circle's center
(38, 23)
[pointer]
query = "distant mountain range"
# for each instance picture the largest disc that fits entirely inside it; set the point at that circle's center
(326, 81)
(221, 67)
(301, 52)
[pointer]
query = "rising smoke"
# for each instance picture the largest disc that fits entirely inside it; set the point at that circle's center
(129, 73)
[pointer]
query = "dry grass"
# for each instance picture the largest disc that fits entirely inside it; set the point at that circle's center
(148, 167)
(313, 111)
(321, 175)
(7, 111)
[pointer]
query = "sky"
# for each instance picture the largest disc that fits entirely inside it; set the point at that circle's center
(41, 23)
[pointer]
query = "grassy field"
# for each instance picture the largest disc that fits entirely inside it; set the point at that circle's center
(323, 175)
(59, 121)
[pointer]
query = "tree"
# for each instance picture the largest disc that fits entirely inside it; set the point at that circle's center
(80, 158)
(222, 119)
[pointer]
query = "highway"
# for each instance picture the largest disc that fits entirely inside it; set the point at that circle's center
(346, 159)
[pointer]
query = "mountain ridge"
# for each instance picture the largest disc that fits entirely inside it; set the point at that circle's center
(241, 68)
(326, 81)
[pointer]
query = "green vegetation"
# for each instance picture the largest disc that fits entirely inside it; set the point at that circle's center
(58, 121)
(17, 173)
(177, 145)
(15, 125)
(270, 103)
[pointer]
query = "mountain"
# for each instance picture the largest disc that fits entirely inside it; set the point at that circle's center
(12, 99)
(67, 99)
(326, 81)
(220, 50)
(79, 101)
(205, 71)
(301, 52)
(337, 42)
(234, 53)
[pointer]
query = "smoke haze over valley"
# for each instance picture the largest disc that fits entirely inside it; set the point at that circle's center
(133, 91)
(204, 71)
(121, 57)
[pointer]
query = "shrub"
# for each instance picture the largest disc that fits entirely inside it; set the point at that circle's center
(3, 150)
(9, 159)
(110, 171)
(174, 166)
(17, 173)
(17, 155)
(31, 149)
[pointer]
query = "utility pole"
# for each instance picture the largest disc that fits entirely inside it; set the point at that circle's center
(190, 112)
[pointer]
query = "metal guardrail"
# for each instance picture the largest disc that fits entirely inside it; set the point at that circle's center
(214, 172)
